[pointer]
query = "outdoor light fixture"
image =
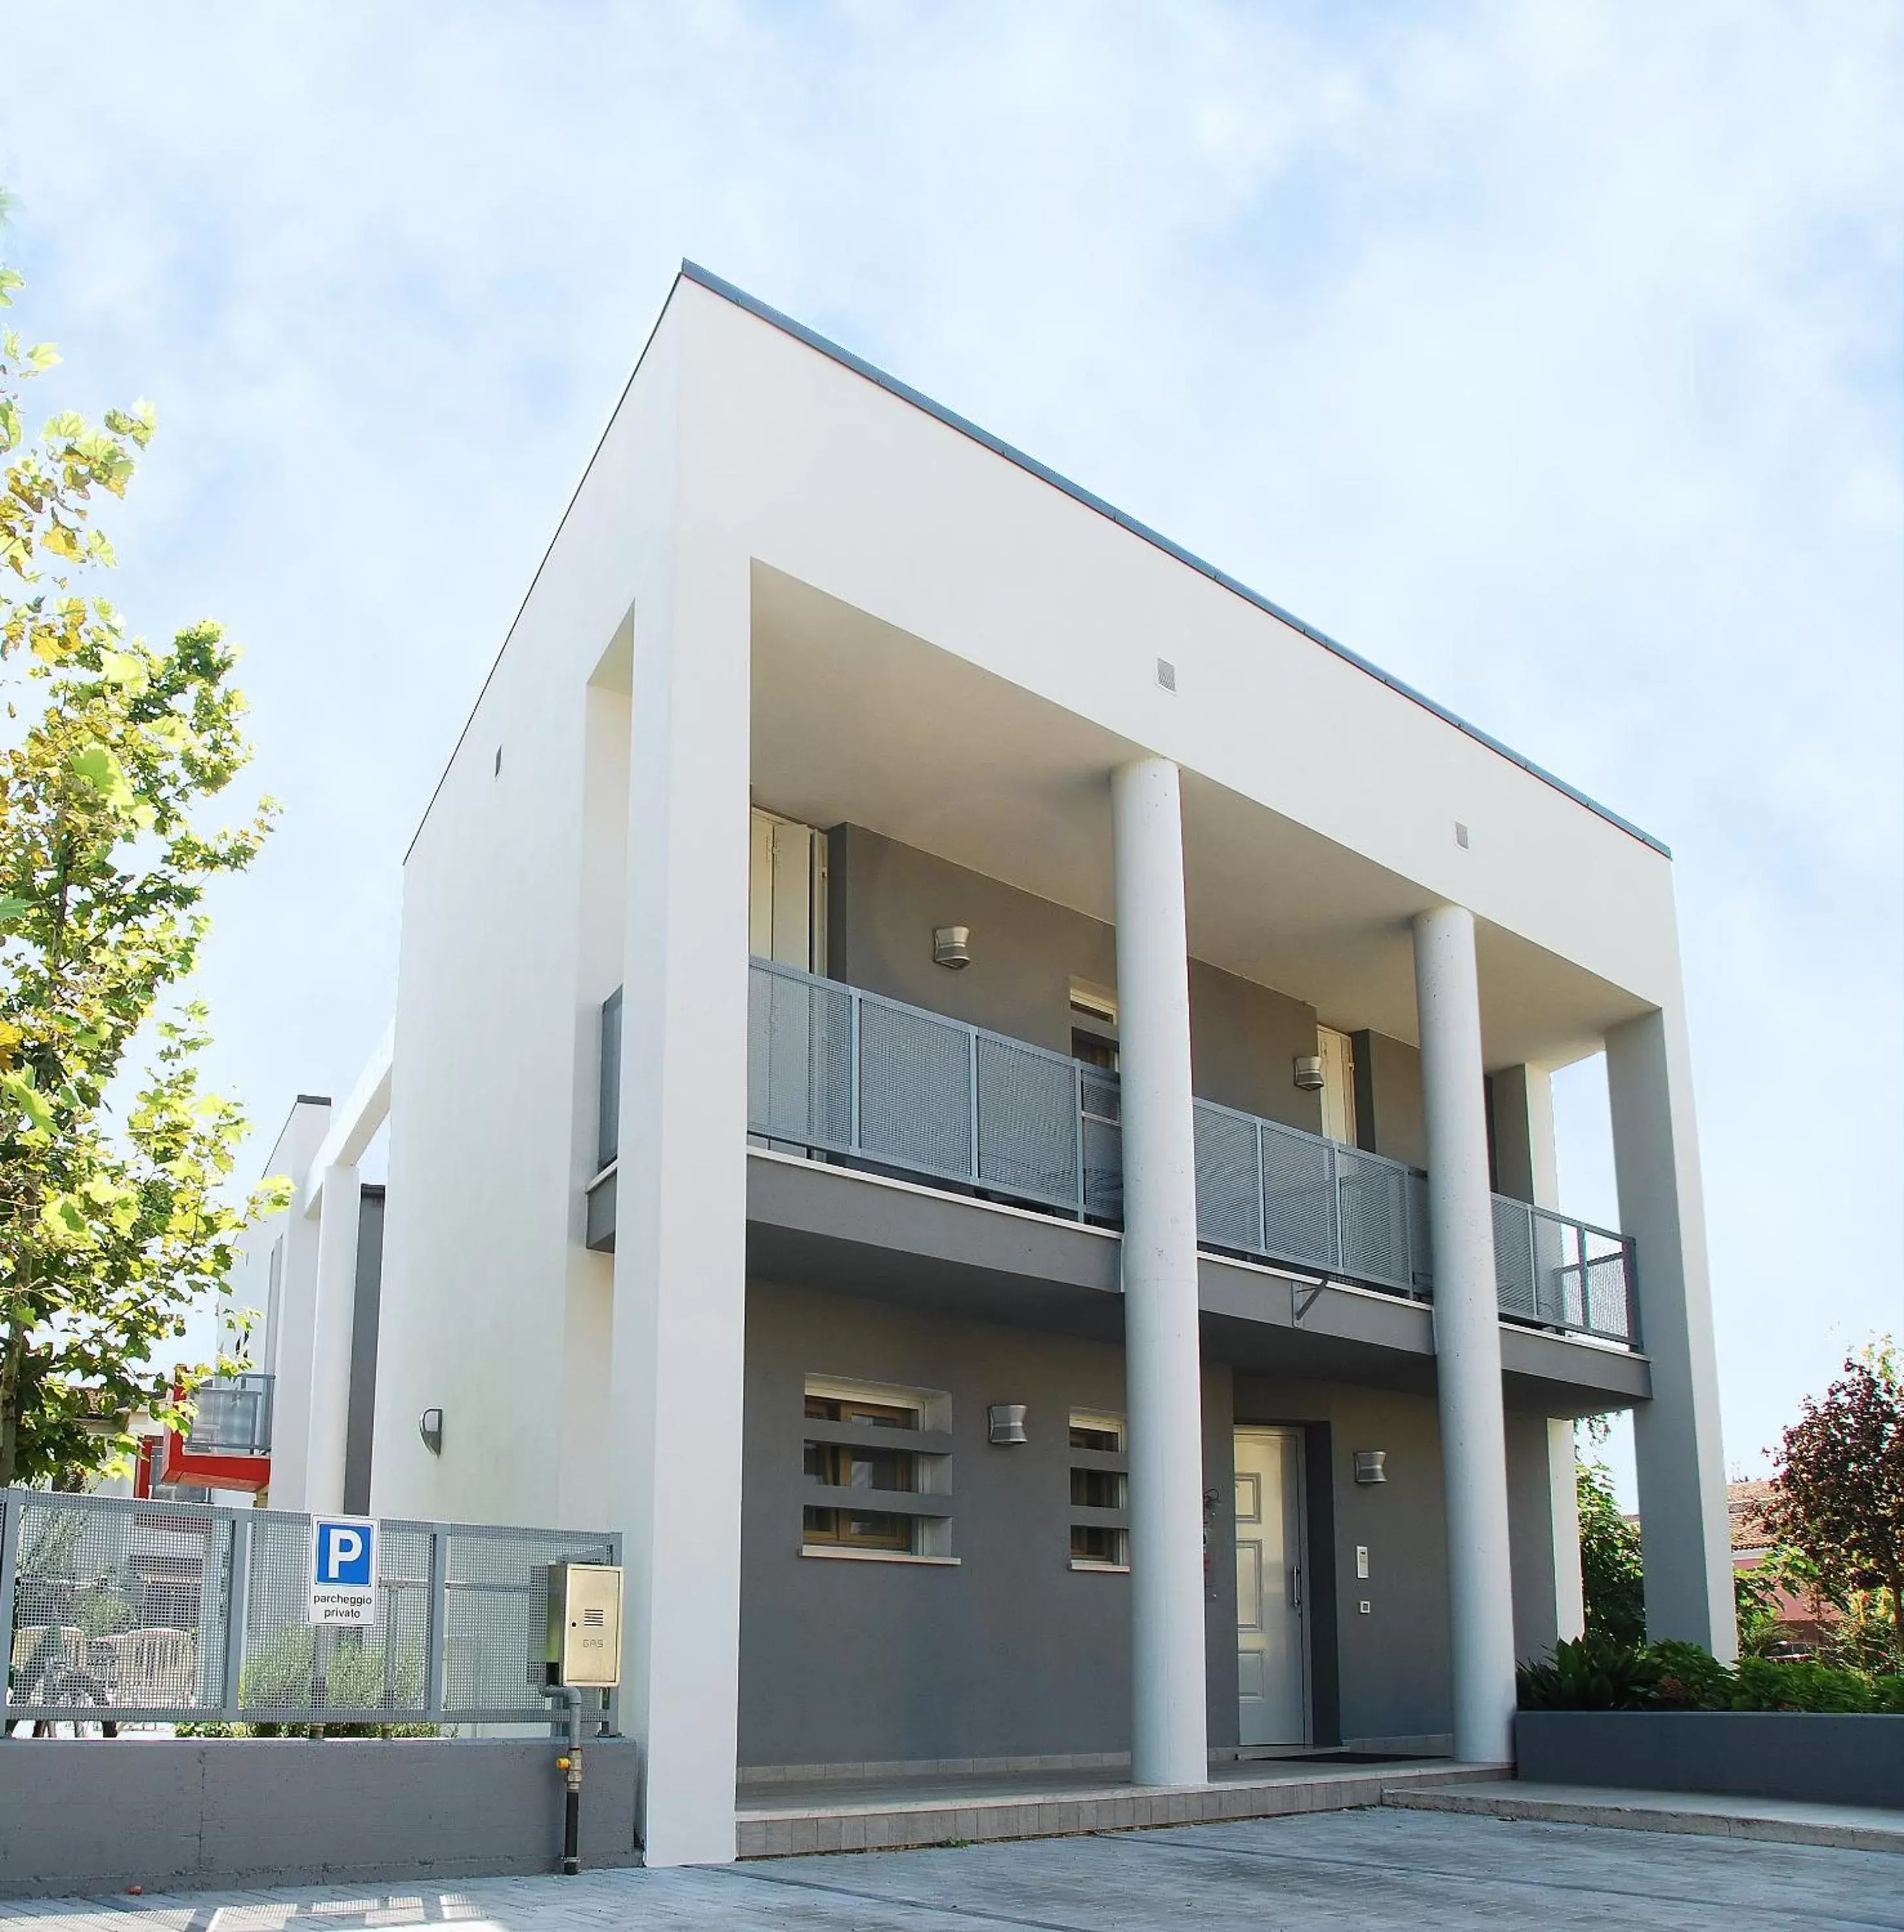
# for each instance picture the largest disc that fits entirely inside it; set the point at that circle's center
(429, 1426)
(1309, 1073)
(1007, 1421)
(1371, 1465)
(952, 946)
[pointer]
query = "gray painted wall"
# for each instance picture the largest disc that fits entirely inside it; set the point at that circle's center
(1531, 1536)
(1830, 1757)
(1012, 1653)
(360, 1418)
(885, 899)
(86, 1815)
(1389, 1099)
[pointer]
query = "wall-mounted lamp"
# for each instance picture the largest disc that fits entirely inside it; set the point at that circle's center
(1007, 1421)
(429, 1426)
(1309, 1073)
(952, 946)
(1371, 1465)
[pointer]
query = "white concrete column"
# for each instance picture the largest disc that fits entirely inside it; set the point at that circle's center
(339, 1213)
(291, 1361)
(1685, 1540)
(1563, 1492)
(1162, 1373)
(674, 1429)
(1466, 1333)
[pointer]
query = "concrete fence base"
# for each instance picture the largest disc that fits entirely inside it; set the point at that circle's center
(95, 1816)
(1820, 1755)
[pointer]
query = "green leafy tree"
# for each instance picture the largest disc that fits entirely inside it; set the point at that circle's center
(111, 1222)
(1838, 1492)
(1611, 1580)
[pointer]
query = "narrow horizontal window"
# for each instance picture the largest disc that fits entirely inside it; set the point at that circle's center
(1097, 1489)
(1104, 1433)
(1092, 1542)
(854, 1529)
(846, 1465)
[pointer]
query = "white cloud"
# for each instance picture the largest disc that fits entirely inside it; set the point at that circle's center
(1547, 355)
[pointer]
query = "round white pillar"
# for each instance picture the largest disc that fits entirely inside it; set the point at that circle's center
(1163, 1363)
(1467, 1334)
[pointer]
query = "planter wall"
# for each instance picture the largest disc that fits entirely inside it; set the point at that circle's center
(95, 1815)
(1819, 1755)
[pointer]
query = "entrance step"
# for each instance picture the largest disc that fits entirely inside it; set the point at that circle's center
(784, 1820)
(1782, 1821)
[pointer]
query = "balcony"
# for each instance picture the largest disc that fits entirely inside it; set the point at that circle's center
(870, 1082)
(232, 1416)
(229, 1445)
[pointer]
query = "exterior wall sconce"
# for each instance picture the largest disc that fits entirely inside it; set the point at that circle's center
(1008, 1422)
(952, 946)
(429, 1426)
(1309, 1073)
(1371, 1465)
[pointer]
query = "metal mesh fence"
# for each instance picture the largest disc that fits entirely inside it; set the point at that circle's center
(118, 1610)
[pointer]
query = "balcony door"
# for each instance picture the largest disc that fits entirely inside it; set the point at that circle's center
(787, 893)
(1272, 1647)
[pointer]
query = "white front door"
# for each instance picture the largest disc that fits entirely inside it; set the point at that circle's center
(1271, 1641)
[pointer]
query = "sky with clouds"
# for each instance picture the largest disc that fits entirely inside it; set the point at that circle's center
(1549, 356)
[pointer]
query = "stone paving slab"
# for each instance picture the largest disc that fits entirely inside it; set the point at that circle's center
(1775, 1820)
(1376, 1870)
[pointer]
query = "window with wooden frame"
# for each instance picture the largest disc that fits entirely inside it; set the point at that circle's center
(880, 1443)
(1100, 1537)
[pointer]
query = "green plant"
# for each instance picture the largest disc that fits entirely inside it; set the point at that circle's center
(1690, 1679)
(1593, 1672)
(1776, 1684)
(1596, 1673)
(103, 1611)
(1611, 1580)
(280, 1673)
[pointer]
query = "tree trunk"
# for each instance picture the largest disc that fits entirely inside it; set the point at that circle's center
(10, 1362)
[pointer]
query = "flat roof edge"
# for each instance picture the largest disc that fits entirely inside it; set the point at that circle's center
(715, 285)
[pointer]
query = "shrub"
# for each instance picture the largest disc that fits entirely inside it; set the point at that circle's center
(1590, 1673)
(1597, 1673)
(1691, 1679)
(1771, 1684)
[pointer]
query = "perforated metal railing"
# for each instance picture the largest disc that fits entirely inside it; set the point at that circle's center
(122, 1610)
(1564, 1273)
(1274, 1191)
(835, 1070)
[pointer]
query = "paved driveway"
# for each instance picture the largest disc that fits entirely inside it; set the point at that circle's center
(1408, 1871)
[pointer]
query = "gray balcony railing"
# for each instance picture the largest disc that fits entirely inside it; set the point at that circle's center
(852, 1073)
(835, 1070)
(1276, 1192)
(233, 1416)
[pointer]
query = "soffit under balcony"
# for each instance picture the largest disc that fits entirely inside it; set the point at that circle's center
(856, 721)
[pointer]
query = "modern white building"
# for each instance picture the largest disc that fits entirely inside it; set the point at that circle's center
(981, 1093)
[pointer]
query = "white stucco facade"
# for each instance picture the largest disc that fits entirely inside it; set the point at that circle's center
(785, 582)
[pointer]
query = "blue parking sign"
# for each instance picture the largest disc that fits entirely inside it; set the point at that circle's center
(342, 1577)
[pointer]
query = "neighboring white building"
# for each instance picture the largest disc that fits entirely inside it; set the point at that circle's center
(894, 933)
(309, 1281)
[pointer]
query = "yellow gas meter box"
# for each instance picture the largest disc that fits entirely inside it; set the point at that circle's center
(585, 1625)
